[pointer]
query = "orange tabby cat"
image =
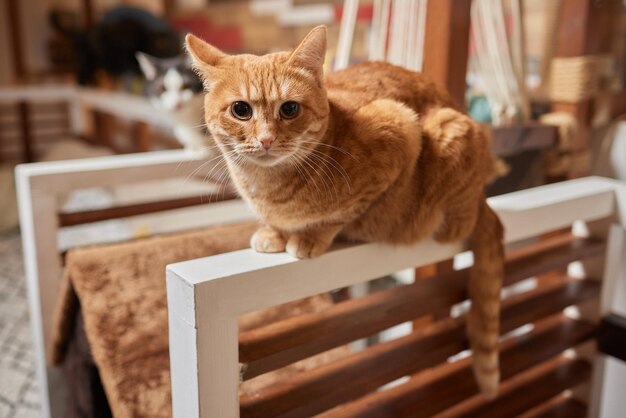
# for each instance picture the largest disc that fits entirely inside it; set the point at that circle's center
(372, 153)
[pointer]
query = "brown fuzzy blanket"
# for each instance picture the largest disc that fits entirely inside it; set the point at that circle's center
(121, 292)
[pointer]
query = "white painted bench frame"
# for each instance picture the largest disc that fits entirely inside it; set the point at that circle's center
(207, 295)
(41, 188)
(122, 105)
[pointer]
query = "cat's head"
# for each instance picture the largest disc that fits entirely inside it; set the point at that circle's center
(267, 110)
(170, 82)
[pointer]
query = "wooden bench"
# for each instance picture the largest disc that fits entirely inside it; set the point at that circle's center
(560, 281)
(250, 281)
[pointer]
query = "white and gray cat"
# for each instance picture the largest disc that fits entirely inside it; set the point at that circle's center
(172, 85)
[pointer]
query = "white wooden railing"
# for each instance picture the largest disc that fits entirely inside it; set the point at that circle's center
(206, 296)
(42, 189)
(122, 105)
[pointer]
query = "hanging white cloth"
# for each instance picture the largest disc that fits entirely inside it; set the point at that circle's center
(346, 33)
(397, 32)
(499, 59)
(397, 36)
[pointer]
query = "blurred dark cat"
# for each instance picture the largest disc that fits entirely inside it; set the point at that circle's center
(173, 86)
(111, 44)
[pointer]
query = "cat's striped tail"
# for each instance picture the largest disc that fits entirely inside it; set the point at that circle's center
(485, 283)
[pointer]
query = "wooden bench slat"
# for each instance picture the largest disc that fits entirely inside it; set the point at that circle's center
(554, 379)
(307, 394)
(117, 212)
(267, 348)
(565, 408)
(435, 390)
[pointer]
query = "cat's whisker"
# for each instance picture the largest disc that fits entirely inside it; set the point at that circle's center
(202, 125)
(294, 163)
(194, 172)
(330, 146)
(236, 162)
(199, 167)
(216, 165)
(207, 177)
(225, 155)
(206, 180)
(329, 174)
(321, 194)
(218, 181)
(209, 147)
(323, 175)
(334, 163)
(300, 159)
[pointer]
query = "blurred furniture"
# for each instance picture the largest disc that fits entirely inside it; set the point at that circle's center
(27, 127)
(584, 80)
(47, 112)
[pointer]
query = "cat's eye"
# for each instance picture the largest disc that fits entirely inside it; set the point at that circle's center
(289, 110)
(241, 110)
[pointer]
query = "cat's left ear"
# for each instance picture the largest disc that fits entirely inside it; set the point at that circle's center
(311, 52)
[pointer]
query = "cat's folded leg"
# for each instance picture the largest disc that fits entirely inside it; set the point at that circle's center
(312, 242)
(268, 240)
(459, 219)
(451, 131)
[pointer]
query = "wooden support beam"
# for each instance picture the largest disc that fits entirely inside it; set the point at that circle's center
(104, 125)
(15, 29)
(446, 46)
(586, 27)
(26, 132)
(88, 13)
(142, 137)
(169, 8)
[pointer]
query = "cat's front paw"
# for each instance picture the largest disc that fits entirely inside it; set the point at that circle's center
(267, 240)
(305, 246)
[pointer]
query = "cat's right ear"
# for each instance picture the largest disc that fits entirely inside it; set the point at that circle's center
(147, 65)
(203, 55)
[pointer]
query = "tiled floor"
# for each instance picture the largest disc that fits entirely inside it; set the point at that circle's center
(18, 386)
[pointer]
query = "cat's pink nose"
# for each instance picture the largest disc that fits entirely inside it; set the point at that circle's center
(267, 143)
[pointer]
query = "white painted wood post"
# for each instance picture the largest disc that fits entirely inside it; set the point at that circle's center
(346, 33)
(37, 211)
(607, 397)
(595, 268)
(204, 359)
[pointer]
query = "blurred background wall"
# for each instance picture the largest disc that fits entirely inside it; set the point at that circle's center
(255, 25)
